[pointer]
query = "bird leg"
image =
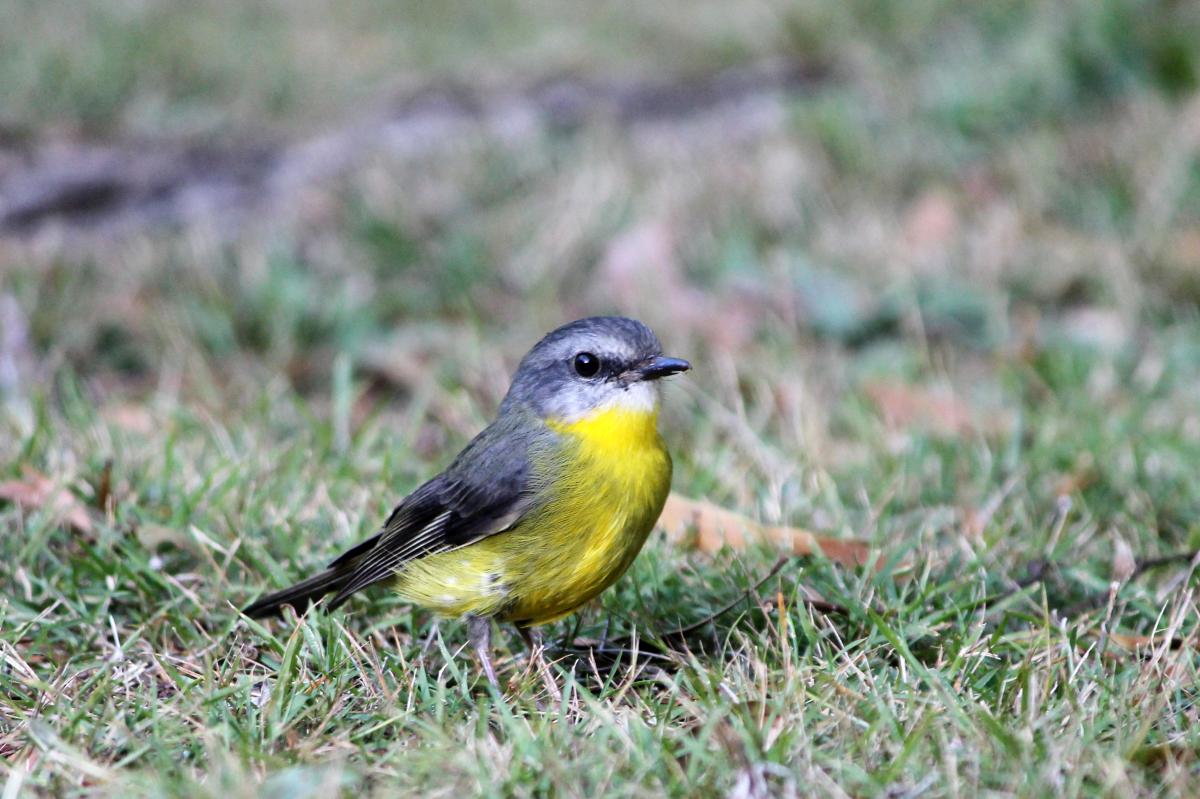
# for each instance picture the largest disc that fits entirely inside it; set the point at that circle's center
(480, 630)
(537, 649)
(532, 636)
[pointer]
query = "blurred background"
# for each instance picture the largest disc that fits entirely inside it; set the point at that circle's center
(265, 265)
(911, 247)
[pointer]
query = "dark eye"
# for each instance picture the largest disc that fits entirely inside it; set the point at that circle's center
(586, 364)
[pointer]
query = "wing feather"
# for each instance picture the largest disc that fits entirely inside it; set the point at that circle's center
(484, 492)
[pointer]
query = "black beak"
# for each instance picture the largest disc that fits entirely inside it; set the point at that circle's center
(658, 366)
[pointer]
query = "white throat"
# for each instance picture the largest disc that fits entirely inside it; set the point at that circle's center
(640, 397)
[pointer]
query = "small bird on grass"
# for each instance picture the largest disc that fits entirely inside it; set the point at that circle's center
(542, 510)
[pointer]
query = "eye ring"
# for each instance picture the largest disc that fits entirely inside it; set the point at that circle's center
(586, 364)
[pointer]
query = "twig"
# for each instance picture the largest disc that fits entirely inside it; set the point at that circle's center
(1038, 571)
(1149, 564)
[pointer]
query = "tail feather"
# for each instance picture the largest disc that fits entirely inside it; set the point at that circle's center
(300, 595)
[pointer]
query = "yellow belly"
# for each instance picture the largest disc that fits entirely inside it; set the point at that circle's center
(612, 478)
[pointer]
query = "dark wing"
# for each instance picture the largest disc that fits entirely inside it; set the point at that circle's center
(484, 491)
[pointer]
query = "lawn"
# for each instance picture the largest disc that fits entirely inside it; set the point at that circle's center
(940, 287)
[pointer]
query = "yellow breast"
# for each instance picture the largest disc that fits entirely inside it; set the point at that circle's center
(605, 486)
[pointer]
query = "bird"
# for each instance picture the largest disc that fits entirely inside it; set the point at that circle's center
(542, 510)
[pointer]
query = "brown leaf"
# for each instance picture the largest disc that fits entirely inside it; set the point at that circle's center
(36, 491)
(904, 406)
(641, 269)
(1185, 248)
(1147, 642)
(707, 527)
(931, 223)
(131, 417)
(1083, 474)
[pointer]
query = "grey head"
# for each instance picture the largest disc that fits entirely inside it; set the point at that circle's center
(591, 364)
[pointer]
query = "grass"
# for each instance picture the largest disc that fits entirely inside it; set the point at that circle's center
(946, 303)
(168, 69)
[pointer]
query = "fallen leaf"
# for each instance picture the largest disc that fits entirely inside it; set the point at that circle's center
(708, 527)
(36, 491)
(931, 223)
(1083, 475)
(1185, 248)
(641, 269)
(904, 406)
(1135, 642)
(131, 417)
(643, 260)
